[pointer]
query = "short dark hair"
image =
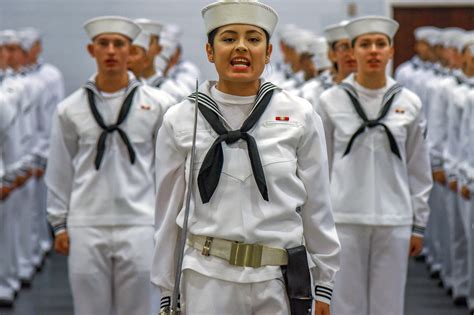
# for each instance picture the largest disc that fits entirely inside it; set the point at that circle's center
(212, 35)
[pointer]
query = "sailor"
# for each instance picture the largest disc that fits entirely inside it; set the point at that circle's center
(466, 158)
(340, 51)
(380, 174)
(260, 159)
(312, 89)
(438, 95)
(101, 184)
(52, 94)
(464, 165)
(138, 60)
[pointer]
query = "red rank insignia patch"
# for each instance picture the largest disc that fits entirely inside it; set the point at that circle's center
(399, 111)
(145, 107)
(282, 118)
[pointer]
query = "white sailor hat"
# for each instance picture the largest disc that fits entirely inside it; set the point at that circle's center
(371, 24)
(336, 32)
(448, 36)
(10, 37)
(112, 24)
(319, 47)
(169, 41)
(152, 27)
(303, 41)
(434, 36)
(142, 40)
(253, 12)
(289, 34)
(423, 32)
(467, 40)
(28, 37)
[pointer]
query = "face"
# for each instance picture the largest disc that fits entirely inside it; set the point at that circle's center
(137, 60)
(372, 52)
(240, 52)
(3, 58)
(16, 57)
(468, 59)
(155, 48)
(453, 57)
(343, 56)
(34, 52)
(308, 66)
(111, 52)
(422, 49)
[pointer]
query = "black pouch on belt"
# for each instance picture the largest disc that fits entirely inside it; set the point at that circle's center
(298, 281)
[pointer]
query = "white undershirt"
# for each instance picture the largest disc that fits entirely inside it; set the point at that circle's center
(114, 103)
(235, 109)
(370, 99)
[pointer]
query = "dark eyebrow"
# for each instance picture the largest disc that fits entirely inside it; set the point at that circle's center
(228, 31)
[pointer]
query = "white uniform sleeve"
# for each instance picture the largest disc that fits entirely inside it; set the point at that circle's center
(437, 126)
(419, 173)
(463, 149)
(170, 188)
(328, 131)
(60, 171)
(318, 222)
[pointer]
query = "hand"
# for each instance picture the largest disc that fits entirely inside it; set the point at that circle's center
(416, 245)
(321, 308)
(440, 177)
(39, 172)
(465, 193)
(61, 243)
(5, 192)
(453, 185)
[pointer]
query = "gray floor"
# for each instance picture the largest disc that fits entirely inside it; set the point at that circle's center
(50, 295)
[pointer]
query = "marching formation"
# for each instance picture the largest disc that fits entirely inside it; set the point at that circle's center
(280, 188)
(442, 75)
(29, 92)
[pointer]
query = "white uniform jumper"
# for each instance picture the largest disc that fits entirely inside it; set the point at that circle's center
(291, 146)
(104, 195)
(380, 182)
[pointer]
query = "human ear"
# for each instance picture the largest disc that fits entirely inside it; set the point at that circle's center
(210, 53)
(90, 49)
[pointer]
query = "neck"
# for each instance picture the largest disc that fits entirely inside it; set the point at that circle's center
(238, 88)
(340, 77)
(111, 83)
(148, 72)
(373, 81)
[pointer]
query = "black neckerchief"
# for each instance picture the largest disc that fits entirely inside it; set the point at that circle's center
(124, 110)
(368, 123)
(211, 167)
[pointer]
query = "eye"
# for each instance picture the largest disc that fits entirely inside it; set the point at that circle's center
(381, 44)
(254, 39)
(228, 39)
(364, 44)
(119, 43)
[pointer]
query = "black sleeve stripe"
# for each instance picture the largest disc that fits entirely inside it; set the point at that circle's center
(165, 301)
(318, 287)
(59, 227)
(324, 296)
(418, 229)
(323, 290)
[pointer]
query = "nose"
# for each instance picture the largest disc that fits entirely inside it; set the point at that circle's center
(110, 48)
(241, 47)
(373, 48)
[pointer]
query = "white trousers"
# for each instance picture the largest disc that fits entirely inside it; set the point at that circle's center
(436, 222)
(374, 262)
(460, 277)
(470, 250)
(203, 295)
(109, 270)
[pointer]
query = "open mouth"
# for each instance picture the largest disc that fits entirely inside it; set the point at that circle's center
(240, 63)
